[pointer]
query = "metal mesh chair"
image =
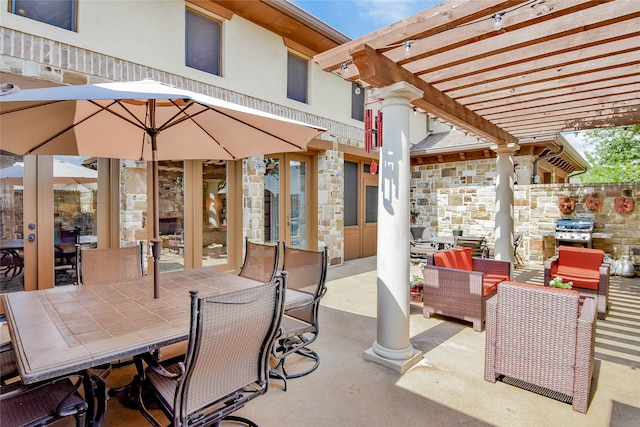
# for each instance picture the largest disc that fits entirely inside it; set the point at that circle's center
(95, 266)
(49, 401)
(260, 261)
(540, 339)
(306, 272)
(227, 361)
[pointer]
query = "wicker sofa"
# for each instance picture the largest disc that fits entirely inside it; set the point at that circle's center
(585, 267)
(555, 357)
(457, 285)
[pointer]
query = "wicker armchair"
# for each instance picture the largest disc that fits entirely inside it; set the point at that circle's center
(306, 272)
(260, 261)
(555, 358)
(585, 267)
(227, 361)
(458, 285)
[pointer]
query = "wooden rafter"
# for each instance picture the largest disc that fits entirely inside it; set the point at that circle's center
(554, 66)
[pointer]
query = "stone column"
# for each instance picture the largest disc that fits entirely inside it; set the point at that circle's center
(392, 347)
(504, 202)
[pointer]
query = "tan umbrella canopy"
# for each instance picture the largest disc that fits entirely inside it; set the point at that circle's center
(63, 173)
(143, 120)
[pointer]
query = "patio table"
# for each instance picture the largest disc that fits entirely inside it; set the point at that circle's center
(66, 329)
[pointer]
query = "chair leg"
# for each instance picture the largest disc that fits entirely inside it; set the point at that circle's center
(235, 419)
(305, 352)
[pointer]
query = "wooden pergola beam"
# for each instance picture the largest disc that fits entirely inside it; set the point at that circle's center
(379, 71)
(432, 21)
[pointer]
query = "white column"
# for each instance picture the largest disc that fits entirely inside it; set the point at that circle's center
(504, 202)
(392, 347)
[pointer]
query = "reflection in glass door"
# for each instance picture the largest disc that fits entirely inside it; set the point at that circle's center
(286, 218)
(214, 213)
(297, 212)
(171, 214)
(272, 199)
(75, 206)
(11, 220)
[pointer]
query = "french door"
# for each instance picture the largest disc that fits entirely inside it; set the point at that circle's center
(49, 204)
(360, 210)
(288, 215)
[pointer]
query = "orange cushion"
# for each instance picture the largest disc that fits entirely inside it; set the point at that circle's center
(444, 259)
(584, 258)
(490, 283)
(458, 258)
(580, 266)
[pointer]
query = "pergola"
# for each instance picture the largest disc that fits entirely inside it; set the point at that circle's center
(552, 66)
(505, 71)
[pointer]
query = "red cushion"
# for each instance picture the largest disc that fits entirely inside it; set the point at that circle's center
(459, 258)
(580, 266)
(490, 283)
(444, 259)
(584, 258)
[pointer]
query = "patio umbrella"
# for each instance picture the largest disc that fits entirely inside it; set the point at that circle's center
(63, 173)
(143, 120)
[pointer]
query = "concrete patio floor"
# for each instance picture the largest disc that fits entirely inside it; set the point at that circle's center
(447, 387)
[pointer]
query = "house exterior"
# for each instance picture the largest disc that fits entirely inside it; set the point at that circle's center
(254, 53)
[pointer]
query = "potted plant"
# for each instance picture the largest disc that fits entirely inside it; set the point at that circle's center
(458, 231)
(416, 282)
(557, 282)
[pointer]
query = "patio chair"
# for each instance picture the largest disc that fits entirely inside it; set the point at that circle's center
(458, 285)
(94, 266)
(540, 339)
(420, 249)
(478, 245)
(49, 401)
(227, 361)
(585, 267)
(306, 272)
(260, 261)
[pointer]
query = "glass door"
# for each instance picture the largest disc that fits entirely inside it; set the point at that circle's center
(297, 208)
(49, 204)
(287, 200)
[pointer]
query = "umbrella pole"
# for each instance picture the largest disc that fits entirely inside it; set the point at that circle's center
(156, 242)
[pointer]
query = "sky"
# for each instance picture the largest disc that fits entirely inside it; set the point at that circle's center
(355, 18)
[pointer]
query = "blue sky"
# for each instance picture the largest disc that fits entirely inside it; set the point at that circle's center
(355, 18)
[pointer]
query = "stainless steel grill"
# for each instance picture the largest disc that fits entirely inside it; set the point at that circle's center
(574, 232)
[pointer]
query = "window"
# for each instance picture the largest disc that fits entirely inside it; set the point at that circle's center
(61, 13)
(350, 193)
(202, 43)
(357, 102)
(296, 78)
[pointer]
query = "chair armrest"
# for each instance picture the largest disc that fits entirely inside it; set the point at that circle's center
(605, 273)
(550, 264)
(490, 339)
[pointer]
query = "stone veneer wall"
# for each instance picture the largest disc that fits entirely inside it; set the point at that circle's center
(331, 203)
(32, 56)
(463, 193)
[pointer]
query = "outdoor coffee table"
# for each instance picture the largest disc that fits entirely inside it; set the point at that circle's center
(66, 329)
